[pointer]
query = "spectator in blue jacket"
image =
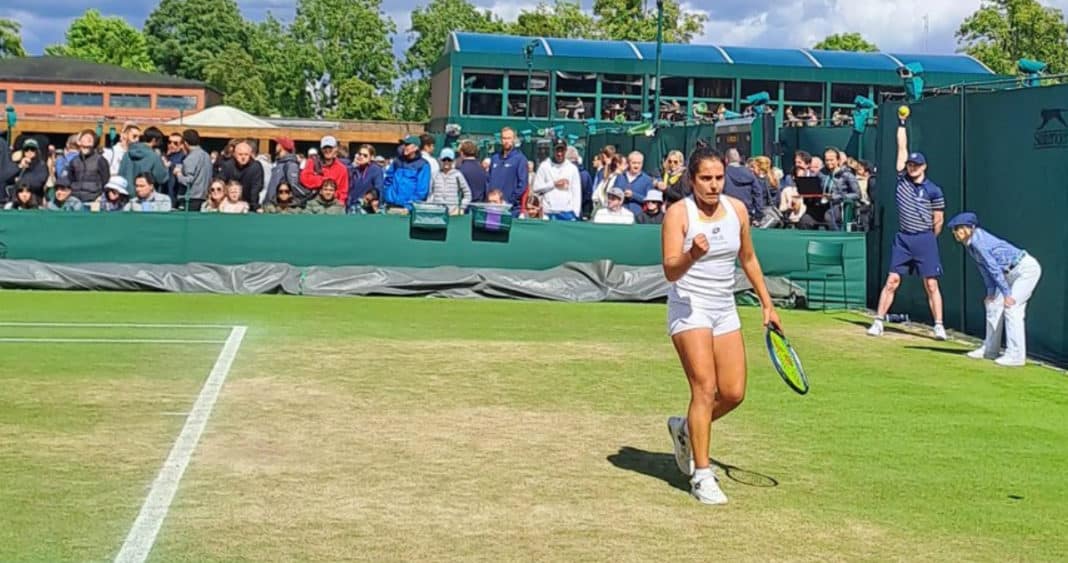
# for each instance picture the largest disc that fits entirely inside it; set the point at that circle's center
(472, 170)
(508, 171)
(366, 175)
(635, 183)
(407, 180)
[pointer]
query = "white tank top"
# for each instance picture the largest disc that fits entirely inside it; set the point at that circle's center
(709, 283)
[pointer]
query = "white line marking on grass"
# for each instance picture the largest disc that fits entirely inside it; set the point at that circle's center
(111, 325)
(143, 534)
(111, 341)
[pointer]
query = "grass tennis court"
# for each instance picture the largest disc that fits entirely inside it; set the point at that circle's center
(387, 429)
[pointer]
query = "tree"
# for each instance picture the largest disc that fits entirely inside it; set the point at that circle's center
(234, 72)
(185, 35)
(357, 99)
(106, 40)
(412, 101)
(846, 42)
(281, 62)
(11, 39)
(629, 20)
(431, 26)
(563, 18)
(352, 38)
(1004, 31)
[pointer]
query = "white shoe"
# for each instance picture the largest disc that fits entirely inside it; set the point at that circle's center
(1010, 362)
(707, 490)
(980, 354)
(680, 436)
(940, 333)
(876, 329)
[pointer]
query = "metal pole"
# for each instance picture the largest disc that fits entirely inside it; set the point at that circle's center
(659, 49)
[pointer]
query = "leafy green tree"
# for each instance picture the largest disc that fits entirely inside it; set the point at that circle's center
(11, 39)
(412, 101)
(352, 39)
(630, 20)
(846, 42)
(234, 72)
(281, 62)
(1004, 31)
(357, 99)
(185, 35)
(562, 18)
(431, 25)
(107, 40)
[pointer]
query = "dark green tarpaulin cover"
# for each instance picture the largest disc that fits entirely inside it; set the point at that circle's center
(1004, 156)
(381, 241)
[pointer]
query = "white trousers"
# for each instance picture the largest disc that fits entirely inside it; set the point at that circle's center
(1022, 281)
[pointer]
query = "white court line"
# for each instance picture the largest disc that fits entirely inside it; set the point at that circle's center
(111, 325)
(108, 341)
(143, 534)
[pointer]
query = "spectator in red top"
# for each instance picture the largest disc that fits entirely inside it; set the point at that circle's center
(326, 167)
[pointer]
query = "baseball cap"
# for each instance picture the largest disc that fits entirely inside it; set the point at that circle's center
(30, 144)
(917, 158)
(410, 140)
(117, 183)
(967, 218)
(654, 195)
(286, 143)
(328, 141)
(560, 144)
(615, 192)
(62, 181)
(447, 154)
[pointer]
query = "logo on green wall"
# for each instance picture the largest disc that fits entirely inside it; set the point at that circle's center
(1055, 138)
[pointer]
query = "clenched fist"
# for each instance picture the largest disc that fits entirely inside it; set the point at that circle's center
(699, 248)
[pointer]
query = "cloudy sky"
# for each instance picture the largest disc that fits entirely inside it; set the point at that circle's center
(893, 26)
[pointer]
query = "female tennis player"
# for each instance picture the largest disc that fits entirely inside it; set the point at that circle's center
(1010, 276)
(702, 237)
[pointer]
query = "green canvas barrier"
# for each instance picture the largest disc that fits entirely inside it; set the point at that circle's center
(378, 240)
(1004, 156)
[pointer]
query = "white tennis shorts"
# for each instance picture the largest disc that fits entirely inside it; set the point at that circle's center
(683, 316)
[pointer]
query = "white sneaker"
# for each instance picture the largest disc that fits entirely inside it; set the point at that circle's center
(876, 329)
(707, 490)
(980, 354)
(680, 436)
(940, 333)
(1010, 362)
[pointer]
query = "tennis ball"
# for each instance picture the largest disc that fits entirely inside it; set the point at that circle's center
(903, 112)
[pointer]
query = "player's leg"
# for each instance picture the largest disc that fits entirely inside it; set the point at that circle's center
(695, 349)
(1023, 280)
(729, 349)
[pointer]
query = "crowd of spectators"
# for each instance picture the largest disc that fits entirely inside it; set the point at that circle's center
(148, 171)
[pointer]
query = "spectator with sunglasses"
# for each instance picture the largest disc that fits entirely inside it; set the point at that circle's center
(216, 196)
(284, 203)
(286, 170)
(366, 175)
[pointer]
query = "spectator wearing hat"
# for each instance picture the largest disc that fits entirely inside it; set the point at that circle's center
(426, 148)
(615, 213)
(23, 198)
(366, 175)
(407, 179)
(62, 200)
(324, 167)
(244, 168)
(634, 182)
(1010, 276)
(146, 198)
(652, 210)
(286, 171)
(195, 171)
(921, 211)
(449, 187)
(33, 171)
(558, 184)
(508, 170)
(88, 171)
(472, 170)
(115, 197)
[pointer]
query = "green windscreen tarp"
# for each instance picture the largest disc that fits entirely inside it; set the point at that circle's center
(384, 241)
(1004, 156)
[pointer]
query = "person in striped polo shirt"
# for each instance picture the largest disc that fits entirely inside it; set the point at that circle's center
(921, 214)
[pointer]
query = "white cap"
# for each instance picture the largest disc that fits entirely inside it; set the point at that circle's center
(654, 195)
(328, 141)
(117, 183)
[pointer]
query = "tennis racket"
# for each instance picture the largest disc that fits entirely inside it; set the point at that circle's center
(785, 359)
